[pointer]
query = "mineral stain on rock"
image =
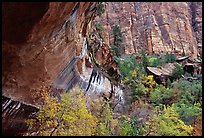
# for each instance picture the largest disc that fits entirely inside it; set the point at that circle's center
(44, 43)
(166, 25)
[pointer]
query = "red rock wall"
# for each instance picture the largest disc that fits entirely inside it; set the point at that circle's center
(38, 42)
(196, 11)
(156, 26)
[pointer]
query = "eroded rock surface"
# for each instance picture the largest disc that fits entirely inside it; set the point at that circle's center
(156, 26)
(39, 41)
(40, 45)
(43, 42)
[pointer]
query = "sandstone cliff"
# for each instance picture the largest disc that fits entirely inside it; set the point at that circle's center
(43, 42)
(40, 44)
(39, 41)
(156, 26)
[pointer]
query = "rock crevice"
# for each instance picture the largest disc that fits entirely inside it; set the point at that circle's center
(156, 26)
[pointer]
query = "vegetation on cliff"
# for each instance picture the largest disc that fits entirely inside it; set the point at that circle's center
(174, 106)
(116, 47)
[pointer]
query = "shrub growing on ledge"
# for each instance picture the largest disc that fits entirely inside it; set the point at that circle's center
(116, 47)
(100, 8)
(169, 58)
(99, 27)
(177, 71)
(130, 127)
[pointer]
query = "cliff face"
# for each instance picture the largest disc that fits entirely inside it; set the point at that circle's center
(39, 41)
(39, 48)
(196, 10)
(14, 114)
(43, 44)
(156, 26)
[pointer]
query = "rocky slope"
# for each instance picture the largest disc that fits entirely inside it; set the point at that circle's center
(156, 26)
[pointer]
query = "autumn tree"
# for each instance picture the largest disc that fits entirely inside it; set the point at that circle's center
(107, 125)
(66, 117)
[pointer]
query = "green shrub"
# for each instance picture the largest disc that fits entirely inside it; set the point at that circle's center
(100, 8)
(118, 34)
(145, 61)
(138, 90)
(166, 122)
(191, 92)
(116, 47)
(190, 103)
(116, 51)
(99, 27)
(134, 77)
(177, 71)
(159, 93)
(128, 64)
(169, 58)
(130, 127)
(187, 111)
(155, 61)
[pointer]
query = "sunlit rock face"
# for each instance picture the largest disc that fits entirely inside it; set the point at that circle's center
(99, 86)
(40, 41)
(156, 27)
(95, 84)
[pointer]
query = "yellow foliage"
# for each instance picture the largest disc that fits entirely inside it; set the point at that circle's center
(126, 80)
(149, 81)
(167, 123)
(106, 125)
(133, 73)
(68, 117)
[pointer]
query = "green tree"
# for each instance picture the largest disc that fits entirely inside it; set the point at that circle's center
(138, 90)
(159, 93)
(177, 71)
(169, 58)
(145, 60)
(130, 127)
(188, 111)
(155, 61)
(166, 122)
(117, 47)
(134, 76)
(99, 27)
(190, 103)
(107, 125)
(191, 92)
